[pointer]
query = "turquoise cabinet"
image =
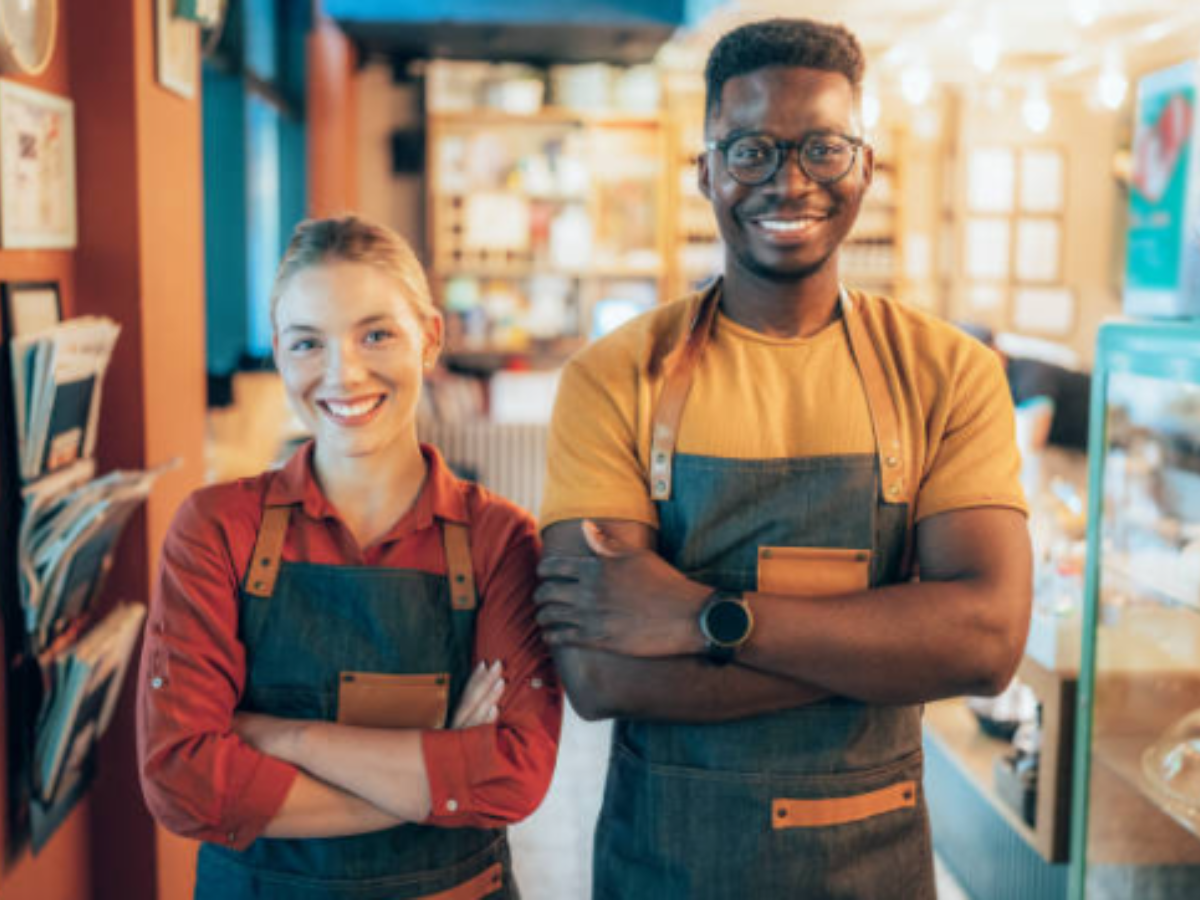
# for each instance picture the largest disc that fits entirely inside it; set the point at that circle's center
(1136, 790)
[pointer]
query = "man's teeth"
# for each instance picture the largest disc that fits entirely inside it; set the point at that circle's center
(347, 410)
(782, 225)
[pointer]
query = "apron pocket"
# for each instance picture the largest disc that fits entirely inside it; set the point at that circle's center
(377, 700)
(813, 571)
(841, 810)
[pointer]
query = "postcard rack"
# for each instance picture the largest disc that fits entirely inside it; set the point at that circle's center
(59, 528)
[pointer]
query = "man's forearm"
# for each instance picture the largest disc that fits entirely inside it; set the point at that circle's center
(677, 689)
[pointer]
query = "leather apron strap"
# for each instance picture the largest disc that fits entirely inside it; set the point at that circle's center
(457, 541)
(680, 370)
(268, 551)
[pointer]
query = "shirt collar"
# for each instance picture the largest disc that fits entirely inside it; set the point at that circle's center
(441, 496)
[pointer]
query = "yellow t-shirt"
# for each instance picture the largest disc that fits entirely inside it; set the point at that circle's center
(758, 397)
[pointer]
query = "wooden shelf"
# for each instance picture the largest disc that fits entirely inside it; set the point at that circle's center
(532, 271)
(549, 115)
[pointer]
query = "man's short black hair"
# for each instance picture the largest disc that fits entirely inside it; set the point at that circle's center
(802, 43)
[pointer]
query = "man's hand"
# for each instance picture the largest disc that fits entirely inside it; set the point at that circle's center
(624, 599)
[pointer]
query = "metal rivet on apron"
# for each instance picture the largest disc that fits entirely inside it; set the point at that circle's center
(441, 679)
(452, 805)
(258, 585)
(766, 554)
(908, 795)
(893, 460)
(660, 486)
(265, 561)
(347, 677)
(860, 557)
(463, 601)
(156, 682)
(782, 813)
(894, 490)
(460, 578)
(660, 458)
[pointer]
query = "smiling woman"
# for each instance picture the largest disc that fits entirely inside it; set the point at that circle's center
(318, 661)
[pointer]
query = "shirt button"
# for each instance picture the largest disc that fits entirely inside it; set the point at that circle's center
(535, 683)
(451, 805)
(231, 837)
(156, 682)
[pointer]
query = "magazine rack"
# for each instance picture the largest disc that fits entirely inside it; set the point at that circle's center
(59, 527)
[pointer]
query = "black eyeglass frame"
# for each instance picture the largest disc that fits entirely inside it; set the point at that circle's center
(783, 150)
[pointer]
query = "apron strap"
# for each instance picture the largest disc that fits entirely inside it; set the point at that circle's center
(457, 542)
(268, 551)
(894, 487)
(668, 412)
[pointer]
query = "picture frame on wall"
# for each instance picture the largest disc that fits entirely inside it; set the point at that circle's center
(177, 54)
(27, 307)
(37, 169)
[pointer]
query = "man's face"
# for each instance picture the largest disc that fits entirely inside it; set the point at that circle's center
(790, 227)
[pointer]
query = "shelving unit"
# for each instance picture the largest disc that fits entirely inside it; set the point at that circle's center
(535, 218)
(872, 256)
(954, 728)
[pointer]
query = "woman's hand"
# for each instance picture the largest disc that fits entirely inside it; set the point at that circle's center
(478, 705)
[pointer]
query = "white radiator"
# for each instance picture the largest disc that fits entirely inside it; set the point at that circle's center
(508, 459)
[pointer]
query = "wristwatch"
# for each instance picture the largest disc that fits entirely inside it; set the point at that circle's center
(726, 623)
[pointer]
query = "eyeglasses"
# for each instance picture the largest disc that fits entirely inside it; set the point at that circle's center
(753, 159)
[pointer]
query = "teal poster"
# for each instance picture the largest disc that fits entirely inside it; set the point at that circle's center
(1160, 211)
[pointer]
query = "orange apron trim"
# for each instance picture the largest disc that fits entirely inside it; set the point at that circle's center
(841, 810)
(482, 885)
(384, 700)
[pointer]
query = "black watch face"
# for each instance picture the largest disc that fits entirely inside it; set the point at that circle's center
(727, 622)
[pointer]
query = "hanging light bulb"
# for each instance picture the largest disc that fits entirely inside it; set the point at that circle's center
(871, 107)
(916, 83)
(1113, 83)
(1036, 109)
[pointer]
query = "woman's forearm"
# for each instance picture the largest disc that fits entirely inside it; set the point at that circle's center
(384, 767)
(313, 809)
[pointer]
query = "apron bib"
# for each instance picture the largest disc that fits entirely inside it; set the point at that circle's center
(309, 629)
(823, 801)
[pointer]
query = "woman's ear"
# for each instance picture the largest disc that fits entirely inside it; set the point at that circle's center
(434, 335)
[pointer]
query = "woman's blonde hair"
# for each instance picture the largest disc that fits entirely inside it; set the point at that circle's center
(355, 239)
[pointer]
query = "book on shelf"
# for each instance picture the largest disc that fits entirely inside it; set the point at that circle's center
(57, 379)
(85, 680)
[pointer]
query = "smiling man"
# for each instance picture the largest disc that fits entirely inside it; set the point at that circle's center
(741, 486)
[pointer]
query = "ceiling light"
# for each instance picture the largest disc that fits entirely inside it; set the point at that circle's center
(985, 51)
(916, 83)
(1112, 83)
(1085, 11)
(1036, 109)
(871, 108)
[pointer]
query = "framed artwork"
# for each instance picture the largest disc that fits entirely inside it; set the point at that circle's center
(37, 169)
(28, 307)
(178, 50)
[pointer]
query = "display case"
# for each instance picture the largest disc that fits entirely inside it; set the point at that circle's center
(1136, 815)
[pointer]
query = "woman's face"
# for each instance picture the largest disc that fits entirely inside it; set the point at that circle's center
(351, 348)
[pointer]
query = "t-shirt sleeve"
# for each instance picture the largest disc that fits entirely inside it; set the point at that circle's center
(593, 469)
(972, 458)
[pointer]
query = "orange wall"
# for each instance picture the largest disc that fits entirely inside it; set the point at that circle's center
(332, 121)
(140, 261)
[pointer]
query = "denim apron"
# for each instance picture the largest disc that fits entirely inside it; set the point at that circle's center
(823, 801)
(304, 626)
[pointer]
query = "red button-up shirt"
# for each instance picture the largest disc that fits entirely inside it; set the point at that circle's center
(202, 781)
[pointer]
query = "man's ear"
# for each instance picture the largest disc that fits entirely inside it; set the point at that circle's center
(868, 165)
(704, 175)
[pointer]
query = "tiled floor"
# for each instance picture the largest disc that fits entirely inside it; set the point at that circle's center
(552, 850)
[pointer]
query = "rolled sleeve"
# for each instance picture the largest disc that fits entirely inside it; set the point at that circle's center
(200, 780)
(494, 775)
